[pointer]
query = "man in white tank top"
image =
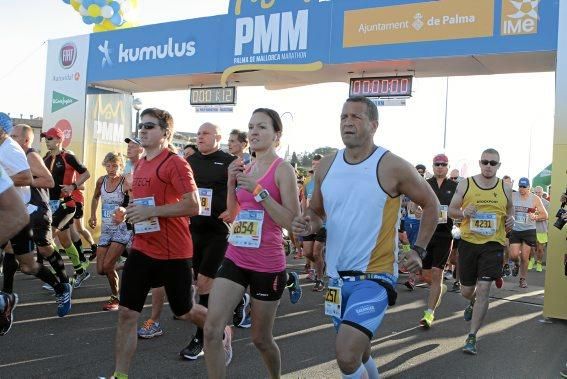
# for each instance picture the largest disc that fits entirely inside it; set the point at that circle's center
(358, 194)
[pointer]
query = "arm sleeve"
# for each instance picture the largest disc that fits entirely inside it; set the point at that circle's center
(73, 162)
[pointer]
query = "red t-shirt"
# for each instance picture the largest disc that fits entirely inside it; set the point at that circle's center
(167, 178)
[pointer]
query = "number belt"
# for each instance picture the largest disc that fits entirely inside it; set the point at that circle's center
(356, 278)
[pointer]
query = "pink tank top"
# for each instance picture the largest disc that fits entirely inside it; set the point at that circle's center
(270, 256)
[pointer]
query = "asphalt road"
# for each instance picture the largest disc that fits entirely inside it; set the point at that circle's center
(513, 343)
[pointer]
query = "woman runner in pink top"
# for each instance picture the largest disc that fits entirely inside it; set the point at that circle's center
(263, 198)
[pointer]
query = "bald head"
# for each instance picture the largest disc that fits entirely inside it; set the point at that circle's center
(208, 138)
(23, 135)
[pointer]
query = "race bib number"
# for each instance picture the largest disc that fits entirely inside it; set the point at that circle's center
(150, 225)
(206, 196)
(521, 217)
(54, 204)
(333, 300)
(484, 223)
(247, 229)
(107, 212)
(443, 211)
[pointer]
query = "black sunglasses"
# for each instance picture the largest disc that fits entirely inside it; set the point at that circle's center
(440, 164)
(49, 138)
(147, 125)
(522, 187)
(486, 162)
(454, 178)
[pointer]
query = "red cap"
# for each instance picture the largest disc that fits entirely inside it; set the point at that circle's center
(440, 158)
(53, 133)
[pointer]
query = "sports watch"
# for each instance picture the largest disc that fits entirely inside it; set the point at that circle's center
(262, 195)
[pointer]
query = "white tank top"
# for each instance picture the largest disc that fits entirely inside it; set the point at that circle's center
(110, 200)
(362, 219)
(522, 210)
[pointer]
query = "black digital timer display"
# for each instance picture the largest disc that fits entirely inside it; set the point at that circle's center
(213, 96)
(387, 86)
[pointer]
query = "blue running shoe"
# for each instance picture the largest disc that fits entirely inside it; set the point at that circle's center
(64, 300)
(150, 329)
(246, 323)
(470, 345)
(294, 288)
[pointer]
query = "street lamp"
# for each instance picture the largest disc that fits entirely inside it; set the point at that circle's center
(137, 105)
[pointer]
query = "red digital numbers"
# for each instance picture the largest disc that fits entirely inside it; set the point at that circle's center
(392, 86)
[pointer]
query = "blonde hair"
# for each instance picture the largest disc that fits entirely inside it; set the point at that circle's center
(114, 157)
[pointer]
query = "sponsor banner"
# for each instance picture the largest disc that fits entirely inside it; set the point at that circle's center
(365, 30)
(65, 90)
(433, 21)
(292, 34)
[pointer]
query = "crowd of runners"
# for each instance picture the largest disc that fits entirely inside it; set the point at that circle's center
(208, 230)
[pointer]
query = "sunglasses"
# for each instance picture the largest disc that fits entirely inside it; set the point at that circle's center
(486, 162)
(49, 138)
(440, 164)
(522, 187)
(454, 178)
(147, 125)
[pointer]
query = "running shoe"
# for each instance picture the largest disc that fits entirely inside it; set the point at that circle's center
(499, 282)
(247, 322)
(523, 283)
(319, 286)
(468, 311)
(112, 304)
(64, 300)
(470, 345)
(227, 345)
(516, 270)
(447, 275)
(7, 315)
(443, 292)
(150, 329)
(241, 311)
(538, 267)
(194, 350)
(456, 286)
(427, 319)
(531, 264)
(506, 270)
(295, 291)
(410, 284)
(311, 275)
(79, 279)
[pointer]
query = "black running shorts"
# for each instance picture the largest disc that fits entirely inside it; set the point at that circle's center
(265, 286)
(208, 252)
(437, 253)
(41, 225)
(78, 211)
(141, 273)
(63, 217)
(22, 243)
(529, 237)
(480, 262)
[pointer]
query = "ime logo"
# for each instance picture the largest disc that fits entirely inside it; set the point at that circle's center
(68, 55)
(519, 17)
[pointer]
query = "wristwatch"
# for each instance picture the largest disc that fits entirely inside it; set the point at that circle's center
(262, 195)
(420, 251)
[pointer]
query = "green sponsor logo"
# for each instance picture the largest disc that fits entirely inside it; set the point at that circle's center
(60, 101)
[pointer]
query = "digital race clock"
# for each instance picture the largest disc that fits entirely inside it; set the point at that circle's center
(213, 96)
(387, 86)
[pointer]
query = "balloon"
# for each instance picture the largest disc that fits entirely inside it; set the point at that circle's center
(93, 10)
(115, 6)
(83, 11)
(88, 20)
(107, 11)
(98, 20)
(66, 1)
(117, 19)
(76, 4)
(100, 3)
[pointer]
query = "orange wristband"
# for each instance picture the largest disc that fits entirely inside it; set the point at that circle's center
(257, 190)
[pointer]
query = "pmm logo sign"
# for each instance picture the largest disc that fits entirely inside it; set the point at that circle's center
(519, 17)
